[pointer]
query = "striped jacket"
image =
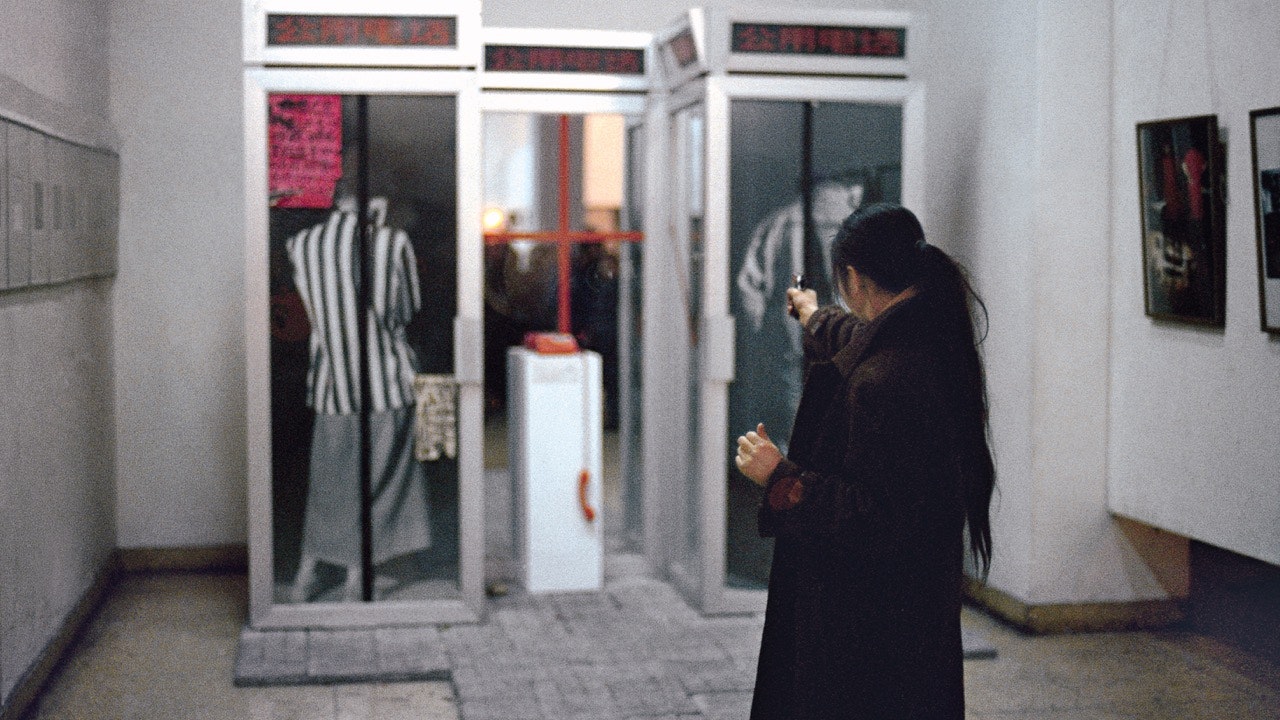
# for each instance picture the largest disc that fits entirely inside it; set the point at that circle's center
(326, 272)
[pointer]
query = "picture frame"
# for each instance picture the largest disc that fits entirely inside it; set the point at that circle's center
(1264, 135)
(1183, 220)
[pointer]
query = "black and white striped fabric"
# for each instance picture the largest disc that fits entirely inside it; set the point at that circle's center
(326, 272)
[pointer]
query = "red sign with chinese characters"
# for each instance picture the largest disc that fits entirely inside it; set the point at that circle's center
(304, 140)
(362, 31)
(840, 41)
(537, 58)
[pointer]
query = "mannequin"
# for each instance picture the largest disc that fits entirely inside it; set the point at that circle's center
(326, 272)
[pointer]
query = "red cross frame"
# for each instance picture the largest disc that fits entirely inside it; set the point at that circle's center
(563, 236)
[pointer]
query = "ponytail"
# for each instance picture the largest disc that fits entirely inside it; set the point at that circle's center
(944, 285)
(886, 243)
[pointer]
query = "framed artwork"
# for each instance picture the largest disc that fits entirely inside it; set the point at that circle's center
(1183, 220)
(1264, 130)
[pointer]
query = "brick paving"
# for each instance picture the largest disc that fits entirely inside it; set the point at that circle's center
(635, 650)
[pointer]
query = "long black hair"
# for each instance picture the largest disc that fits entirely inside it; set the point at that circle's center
(886, 244)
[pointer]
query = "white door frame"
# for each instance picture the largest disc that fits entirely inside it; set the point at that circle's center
(468, 606)
(716, 92)
(561, 101)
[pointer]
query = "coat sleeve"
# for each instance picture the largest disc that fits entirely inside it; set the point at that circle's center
(852, 493)
(801, 503)
(830, 329)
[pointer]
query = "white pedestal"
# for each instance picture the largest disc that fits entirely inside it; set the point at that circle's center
(554, 420)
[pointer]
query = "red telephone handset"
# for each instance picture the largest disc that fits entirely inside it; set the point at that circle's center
(584, 480)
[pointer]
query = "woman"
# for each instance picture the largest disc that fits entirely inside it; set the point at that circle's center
(887, 464)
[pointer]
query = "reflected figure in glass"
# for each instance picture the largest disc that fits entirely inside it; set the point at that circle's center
(774, 255)
(837, 156)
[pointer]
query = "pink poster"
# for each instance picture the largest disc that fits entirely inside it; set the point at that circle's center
(305, 146)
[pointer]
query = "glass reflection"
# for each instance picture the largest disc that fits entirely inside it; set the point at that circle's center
(363, 309)
(692, 154)
(838, 156)
(630, 350)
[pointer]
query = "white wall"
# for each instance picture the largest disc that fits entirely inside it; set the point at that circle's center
(55, 461)
(1018, 154)
(640, 16)
(1195, 411)
(179, 296)
(981, 138)
(56, 425)
(57, 48)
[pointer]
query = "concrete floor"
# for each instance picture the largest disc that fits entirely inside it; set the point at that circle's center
(163, 646)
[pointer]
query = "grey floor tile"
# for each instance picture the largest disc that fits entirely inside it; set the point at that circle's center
(341, 655)
(500, 710)
(271, 657)
(724, 706)
(396, 701)
(410, 651)
(700, 677)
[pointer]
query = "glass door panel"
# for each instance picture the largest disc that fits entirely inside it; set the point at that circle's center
(687, 201)
(630, 351)
(838, 155)
(553, 210)
(364, 493)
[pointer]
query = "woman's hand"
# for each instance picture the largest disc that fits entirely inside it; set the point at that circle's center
(757, 455)
(801, 304)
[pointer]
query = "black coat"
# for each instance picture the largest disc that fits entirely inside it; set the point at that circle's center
(863, 616)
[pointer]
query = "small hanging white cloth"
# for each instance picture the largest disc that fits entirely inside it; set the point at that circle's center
(436, 421)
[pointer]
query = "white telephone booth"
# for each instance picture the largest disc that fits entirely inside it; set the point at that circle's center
(563, 134)
(363, 275)
(777, 124)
